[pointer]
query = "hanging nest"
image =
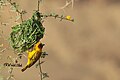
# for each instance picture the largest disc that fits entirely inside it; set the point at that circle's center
(28, 33)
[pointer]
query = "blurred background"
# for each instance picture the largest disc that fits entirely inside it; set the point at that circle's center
(87, 49)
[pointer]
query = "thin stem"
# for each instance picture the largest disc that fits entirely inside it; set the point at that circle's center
(40, 69)
(10, 74)
(38, 4)
(56, 16)
(21, 16)
(3, 50)
(19, 12)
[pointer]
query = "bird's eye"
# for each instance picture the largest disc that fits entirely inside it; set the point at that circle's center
(39, 46)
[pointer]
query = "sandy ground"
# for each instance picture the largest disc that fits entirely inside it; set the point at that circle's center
(87, 49)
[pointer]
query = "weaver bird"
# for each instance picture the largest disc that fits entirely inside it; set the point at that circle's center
(34, 55)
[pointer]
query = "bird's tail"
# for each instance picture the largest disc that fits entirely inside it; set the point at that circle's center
(24, 68)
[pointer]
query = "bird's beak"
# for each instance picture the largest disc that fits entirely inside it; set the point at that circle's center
(42, 45)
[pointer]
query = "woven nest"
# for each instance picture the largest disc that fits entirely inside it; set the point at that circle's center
(26, 34)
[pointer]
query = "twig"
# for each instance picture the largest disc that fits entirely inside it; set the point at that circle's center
(21, 16)
(67, 4)
(38, 4)
(16, 9)
(10, 58)
(10, 74)
(40, 70)
(24, 56)
(57, 16)
(3, 50)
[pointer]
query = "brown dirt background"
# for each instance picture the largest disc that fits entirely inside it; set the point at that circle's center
(88, 49)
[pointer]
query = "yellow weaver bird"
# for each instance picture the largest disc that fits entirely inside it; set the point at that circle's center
(34, 55)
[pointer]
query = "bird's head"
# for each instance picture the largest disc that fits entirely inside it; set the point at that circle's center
(39, 45)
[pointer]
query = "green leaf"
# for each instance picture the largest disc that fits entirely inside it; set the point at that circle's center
(45, 75)
(44, 54)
